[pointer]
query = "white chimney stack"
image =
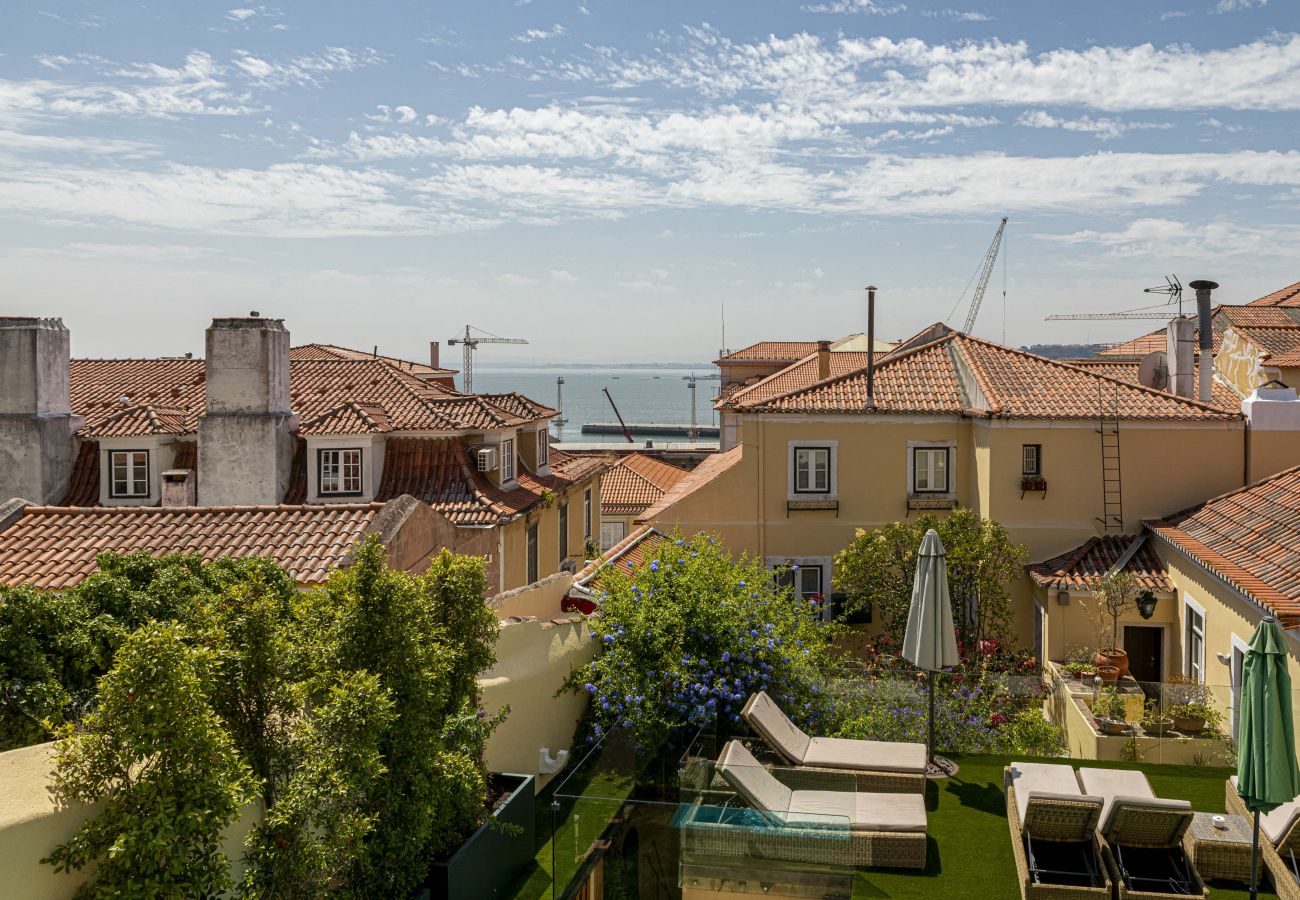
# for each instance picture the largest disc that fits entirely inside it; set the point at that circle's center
(1178, 350)
(246, 431)
(37, 428)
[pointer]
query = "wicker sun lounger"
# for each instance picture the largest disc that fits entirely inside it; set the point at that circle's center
(877, 766)
(1142, 836)
(1054, 834)
(1279, 844)
(850, 828)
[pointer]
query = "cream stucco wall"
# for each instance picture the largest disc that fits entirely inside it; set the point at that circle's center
(514, 535)
(32, 824)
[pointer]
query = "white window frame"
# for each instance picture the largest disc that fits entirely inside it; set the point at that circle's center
(340, 463)
(606, 543)
(950, 463)
(543, 449)
(563, 518)
(137, 486)
(586, 516)
(832, 467)
(806, 463)
(508, 461)
(823, 564)
(1037, 468)
(1193, 663)
(1235, 679)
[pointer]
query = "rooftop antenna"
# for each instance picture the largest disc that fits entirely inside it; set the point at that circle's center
(1172, 288)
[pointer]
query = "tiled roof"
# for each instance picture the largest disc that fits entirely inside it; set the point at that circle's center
(628, 553)
(1081, 568)
(330, 395)
(799, 375)
(1013, 384)
(1287, 296)
(1275, 342)
(636, 483)
(772, 351)
(332, 351)
(55, 547)
(1127, 370)
(712, 466)
(1250, 538)
(1257, 316)
(438, 471)
(1157, 340)
(83, 486)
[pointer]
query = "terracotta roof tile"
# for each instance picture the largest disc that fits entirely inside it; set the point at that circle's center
(1250, 538)
(55, 547)
(1014, 384)
(83, 486)
(628, 553)
(799, 375)
(332, 351)
(772, 351)
(1081, 568)
(1127, 370)
(712, 466)
(1258, 316)
(636, 483)
(1287, 296)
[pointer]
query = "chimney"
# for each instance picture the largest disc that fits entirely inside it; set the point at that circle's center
(178, 487)
(37, 428)
(1178, 349)
(246, 431)
(871, 346)
(433, 354)
(1206, 325)
(823, 360)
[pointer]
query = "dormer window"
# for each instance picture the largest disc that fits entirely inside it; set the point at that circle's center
(340, 472)
(543, 449)
(129, 473)
(507, 461)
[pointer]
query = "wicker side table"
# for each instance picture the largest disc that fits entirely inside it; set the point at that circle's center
(1220, 852)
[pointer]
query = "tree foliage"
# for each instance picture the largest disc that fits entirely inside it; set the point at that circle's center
(690, 633)
(169, 777)
(878, 568)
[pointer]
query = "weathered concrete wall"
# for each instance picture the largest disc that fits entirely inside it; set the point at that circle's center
(541, 600)
(534, 658)
(31, 825)
(414, 532)
(37, 447)
(245, 434)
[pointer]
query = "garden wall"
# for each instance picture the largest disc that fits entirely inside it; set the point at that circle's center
(538, 647)
(31, 825)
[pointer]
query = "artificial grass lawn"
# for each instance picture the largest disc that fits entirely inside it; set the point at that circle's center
(970, 846)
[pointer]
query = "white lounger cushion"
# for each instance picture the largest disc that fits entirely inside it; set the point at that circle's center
(757, 785)
(866, 756)
(1275, 824)
(775, 727)
(1044, 779)
(863, 812)
(1111, 783)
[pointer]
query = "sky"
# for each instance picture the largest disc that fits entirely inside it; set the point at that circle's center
(605, 178)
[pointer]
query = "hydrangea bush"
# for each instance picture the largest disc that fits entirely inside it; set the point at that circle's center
(690, 633)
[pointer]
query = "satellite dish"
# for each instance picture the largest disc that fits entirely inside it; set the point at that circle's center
(1153, 371)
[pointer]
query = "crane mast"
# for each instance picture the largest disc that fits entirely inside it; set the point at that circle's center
(986, 271)
(469, 344)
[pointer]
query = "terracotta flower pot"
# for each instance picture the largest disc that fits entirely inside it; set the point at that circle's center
(1157, 726)
(1189, 725)
(1111, 657)
(1109, 674)
(1111, 726)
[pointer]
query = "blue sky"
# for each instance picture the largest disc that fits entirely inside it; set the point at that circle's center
(601, 177)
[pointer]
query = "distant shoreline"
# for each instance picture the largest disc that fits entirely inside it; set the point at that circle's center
(484, 367)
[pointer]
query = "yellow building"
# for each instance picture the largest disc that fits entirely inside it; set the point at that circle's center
(637, 482)
(1056, 453)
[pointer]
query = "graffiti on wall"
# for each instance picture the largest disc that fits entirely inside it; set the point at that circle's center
(1239, 362)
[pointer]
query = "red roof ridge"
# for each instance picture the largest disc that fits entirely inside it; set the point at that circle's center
(234, 508)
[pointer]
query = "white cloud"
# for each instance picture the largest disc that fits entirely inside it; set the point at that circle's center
(1224, 6)
(872, 7)
(1172, 14)
(161, 253)
(307, 69)
(562, 276)
(509, 279)
(1169, 239)
(959, 15)
(540, 34)
(1104, 128)
(241, 14)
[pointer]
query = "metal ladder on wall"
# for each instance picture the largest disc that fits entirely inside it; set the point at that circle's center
(1112, 495)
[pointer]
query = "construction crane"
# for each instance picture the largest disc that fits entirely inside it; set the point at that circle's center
(985, 272)
(691, 381)
(621, 424)
(1172, 288)
(470, 343)
(559, 421)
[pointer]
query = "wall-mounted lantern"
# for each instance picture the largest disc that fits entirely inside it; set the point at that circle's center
(1146, 604)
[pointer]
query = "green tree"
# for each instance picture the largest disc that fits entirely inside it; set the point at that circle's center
(168, 775)
(878, 568)
(690, 633)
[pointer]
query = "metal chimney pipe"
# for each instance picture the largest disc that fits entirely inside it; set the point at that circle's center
(1206, 326)
(871, 346)
(823, 360)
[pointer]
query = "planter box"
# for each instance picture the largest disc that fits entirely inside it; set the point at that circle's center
(487, 865)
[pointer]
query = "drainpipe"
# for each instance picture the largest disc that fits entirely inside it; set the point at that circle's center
(501, 559)
(871, 346)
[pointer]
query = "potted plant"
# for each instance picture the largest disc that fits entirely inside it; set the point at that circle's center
(1080, 664)
(1153, 720)
(1115, 595)
(1109, 709)
(491, 858)
(1190, 705)
(1109, 674)
(1033, 483)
